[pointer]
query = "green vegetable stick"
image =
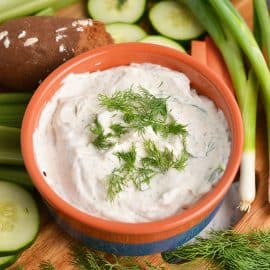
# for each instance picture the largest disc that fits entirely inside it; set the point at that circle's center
(248, 44)
(245, 87)
(46, 12)
(15, 174)
(14, 98)
(9, 4)
(11, 115)
(10, 152)
(262, 15)
(63, 3)
(25, 9)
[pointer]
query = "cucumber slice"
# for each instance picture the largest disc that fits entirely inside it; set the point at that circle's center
(174, 20)
(8, 260)
(19, 218)
(110, 11)
(125, 32)
(160, 40)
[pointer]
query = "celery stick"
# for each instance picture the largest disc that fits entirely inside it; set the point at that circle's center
(9, 4)
(45, 12)
(10, 149)
(15, 174)
(30, 7)
(11, 115)
(63, 3)
(14, 98)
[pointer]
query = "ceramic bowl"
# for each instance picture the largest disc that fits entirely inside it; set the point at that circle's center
(140, 238)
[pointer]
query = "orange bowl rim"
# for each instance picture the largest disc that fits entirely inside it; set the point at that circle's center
(202, 207)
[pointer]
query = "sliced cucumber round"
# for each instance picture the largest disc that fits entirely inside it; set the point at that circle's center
(174, 20)
(125, 32)
(160, 40)
(8, 260)
(19, 218)
(110, 11)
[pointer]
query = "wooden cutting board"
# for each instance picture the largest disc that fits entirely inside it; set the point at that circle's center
(53, 244)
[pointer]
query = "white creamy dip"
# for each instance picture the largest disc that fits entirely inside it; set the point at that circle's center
(76, 169)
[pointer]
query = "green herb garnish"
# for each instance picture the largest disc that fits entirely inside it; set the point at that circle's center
(156, 158)
(156, 161)
(101, 141)
(229, 250)
(180, 163)
(104, 141)
(141, 110)
(86, 259)
(119, 178)
(162, 160)
(215, 173)
(118, 130)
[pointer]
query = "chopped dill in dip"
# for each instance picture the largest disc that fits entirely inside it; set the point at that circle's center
(132, 143)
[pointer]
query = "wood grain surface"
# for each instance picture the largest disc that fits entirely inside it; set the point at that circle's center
(53, 244)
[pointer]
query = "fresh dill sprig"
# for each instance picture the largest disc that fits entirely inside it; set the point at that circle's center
(156, 158)
(131, 103)
(128, 157)
(119, 178)
(46, 265)
(118, 129)
(101, 140)
(156, 161)
(163, 160)
(181, 161)
(85, 259)
(229, 250)
(215, 173)
(141, 110)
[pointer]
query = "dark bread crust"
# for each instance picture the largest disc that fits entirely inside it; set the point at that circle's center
(23, 67)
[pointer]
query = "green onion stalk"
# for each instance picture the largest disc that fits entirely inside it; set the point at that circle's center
(250, 47)
(262, 17)
(30, 7)
(10, 9)
(9, 4)
(245, 87)
(46, 12)
(262, 35)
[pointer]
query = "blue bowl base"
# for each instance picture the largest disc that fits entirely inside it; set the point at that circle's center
(124, 249)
